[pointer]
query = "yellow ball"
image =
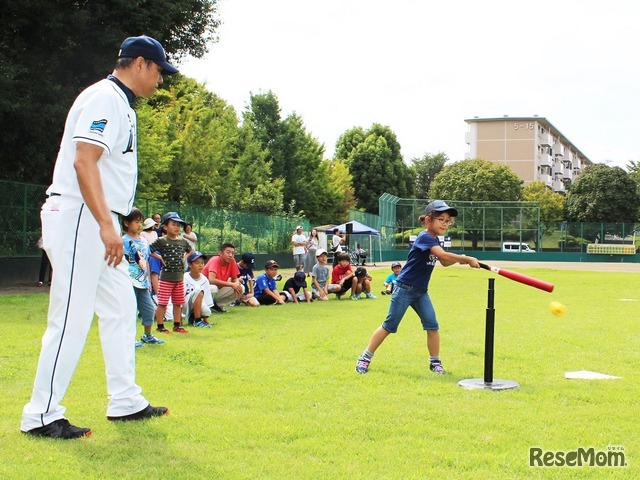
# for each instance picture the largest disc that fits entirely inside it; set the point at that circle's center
(557, 309)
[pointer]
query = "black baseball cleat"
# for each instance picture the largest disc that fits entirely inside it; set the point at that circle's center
(219, 309)
(60, 429)
(147, 412)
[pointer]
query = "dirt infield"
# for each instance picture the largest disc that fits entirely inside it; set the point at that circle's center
(23, 288)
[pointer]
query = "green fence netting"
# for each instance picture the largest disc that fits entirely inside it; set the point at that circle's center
(254, 232)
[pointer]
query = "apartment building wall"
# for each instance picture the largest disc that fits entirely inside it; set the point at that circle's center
(530, 146)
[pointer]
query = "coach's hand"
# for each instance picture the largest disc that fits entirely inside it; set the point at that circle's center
(114, 249)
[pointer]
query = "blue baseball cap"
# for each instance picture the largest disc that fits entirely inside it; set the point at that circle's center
(440, 206)
(149, 49)
(299, 279)
(172, 216)
(196, 255)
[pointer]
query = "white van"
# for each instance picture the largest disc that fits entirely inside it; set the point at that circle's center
(517, 247)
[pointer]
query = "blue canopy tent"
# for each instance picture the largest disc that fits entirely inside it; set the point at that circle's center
(357, 228)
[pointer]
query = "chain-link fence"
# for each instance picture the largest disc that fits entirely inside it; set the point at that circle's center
(487, 226)
(253, 232)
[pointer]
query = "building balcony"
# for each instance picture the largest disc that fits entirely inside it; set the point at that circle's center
(558, 149)
(544, 139)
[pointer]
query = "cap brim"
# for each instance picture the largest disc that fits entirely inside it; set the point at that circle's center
(167, 68)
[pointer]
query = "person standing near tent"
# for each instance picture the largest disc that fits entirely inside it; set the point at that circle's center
(336, 245)
(310, 251)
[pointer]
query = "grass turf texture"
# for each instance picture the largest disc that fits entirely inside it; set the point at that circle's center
(272, 392)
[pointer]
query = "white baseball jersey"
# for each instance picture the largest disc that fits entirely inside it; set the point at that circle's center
(201, 284)
(102, 116)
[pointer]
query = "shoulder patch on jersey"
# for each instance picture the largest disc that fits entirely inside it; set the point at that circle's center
(97, 126)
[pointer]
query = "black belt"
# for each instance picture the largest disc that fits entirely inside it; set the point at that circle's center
(53, 194)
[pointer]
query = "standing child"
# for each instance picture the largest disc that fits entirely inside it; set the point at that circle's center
(266, 290)
(245, 265)
(293, 285)
(173, 249)
(197, 293)
(390, 281)
(411, 288)
(136, 252)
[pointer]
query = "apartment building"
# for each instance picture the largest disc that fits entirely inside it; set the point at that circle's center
(530, 146)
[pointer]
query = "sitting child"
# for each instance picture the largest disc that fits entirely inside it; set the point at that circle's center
(320, 287)
(293, 285)
(390, 281)
(245, 265)
(265, 290)
(197, 293)
(342, 277)
(364, 284)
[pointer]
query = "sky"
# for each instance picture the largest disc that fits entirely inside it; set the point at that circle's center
(422, 67)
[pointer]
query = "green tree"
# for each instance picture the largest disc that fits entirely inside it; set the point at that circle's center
(551, 207)
(293, 155)
(424, 171)
(551, 203)
(478, 180)
(375, 163)
(603, 194)
(71, 45)
(192, 131)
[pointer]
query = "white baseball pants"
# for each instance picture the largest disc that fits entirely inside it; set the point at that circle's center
(82, 285)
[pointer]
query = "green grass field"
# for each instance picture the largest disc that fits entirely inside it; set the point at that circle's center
(272, 393)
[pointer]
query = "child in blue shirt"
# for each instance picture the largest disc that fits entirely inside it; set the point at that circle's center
(136, 253)
(411, 289)
(265, 289)
(390, 281)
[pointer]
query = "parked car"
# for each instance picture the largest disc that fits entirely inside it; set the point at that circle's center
(517, 247)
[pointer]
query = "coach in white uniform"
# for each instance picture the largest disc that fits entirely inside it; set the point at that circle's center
(94, 181)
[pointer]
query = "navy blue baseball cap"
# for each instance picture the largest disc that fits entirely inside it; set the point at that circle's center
(149, 49)
(440, 206)
(172, 216)
(196, 255)
(299, 279)
(248, 258)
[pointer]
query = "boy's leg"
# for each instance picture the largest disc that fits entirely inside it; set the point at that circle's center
(397, 309)
(433, 343)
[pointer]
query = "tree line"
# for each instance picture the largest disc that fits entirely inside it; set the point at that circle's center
(195, 148)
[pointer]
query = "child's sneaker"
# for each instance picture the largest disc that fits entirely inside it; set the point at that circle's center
(371, 296)
(362, 365)
(203, 324)
(162, 329)
(355, 297)
(148, 338)
(139, 344)
(180, 330)
(436, 367)
(384, 292)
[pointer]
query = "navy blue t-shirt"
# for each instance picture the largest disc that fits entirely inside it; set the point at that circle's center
(420, 262)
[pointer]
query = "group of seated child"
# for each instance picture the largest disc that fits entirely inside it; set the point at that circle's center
(188, 295)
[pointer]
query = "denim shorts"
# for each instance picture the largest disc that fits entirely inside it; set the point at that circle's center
(405, 296)
(146, 307)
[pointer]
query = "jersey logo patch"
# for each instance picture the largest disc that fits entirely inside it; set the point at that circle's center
(97, 126)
